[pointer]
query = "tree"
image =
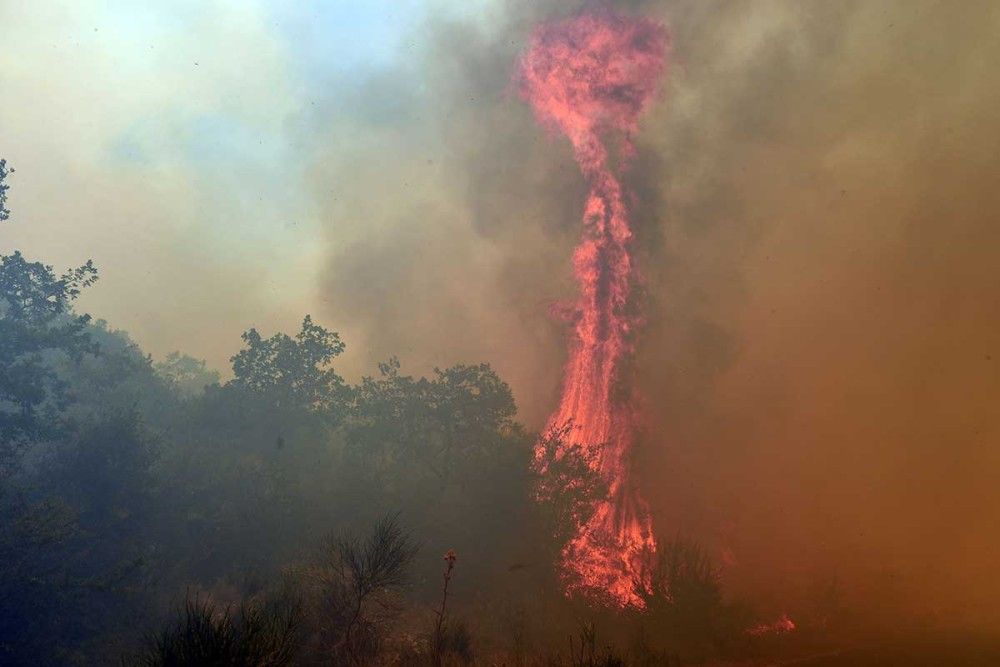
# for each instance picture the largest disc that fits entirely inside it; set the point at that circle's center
(448, 449)
(185, 374)
(36, 324)
(565, 485)
(4, 171)
(68, 509)
(433, 425)
(292, 371)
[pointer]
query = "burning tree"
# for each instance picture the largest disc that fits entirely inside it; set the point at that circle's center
(590, 78)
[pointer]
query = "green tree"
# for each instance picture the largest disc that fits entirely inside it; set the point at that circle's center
(432, 426)
(36, 326)
(292, 371)
(446, 447)
(253, 456)
(72, 489)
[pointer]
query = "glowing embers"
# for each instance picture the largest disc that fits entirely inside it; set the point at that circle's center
(590, 78)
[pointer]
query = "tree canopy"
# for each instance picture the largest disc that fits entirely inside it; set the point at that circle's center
(291, 370)
(36, 324)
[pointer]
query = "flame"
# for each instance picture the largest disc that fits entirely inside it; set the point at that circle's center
(590, 78)
(782, 626)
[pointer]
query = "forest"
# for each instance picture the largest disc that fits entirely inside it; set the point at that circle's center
(152, 514)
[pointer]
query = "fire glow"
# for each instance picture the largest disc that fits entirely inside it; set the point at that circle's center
(590, 78)
(782, 626)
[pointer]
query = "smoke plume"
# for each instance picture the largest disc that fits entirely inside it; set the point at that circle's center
(815, 223)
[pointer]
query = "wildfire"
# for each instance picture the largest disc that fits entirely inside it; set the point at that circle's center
(590, 78)
(782, 626)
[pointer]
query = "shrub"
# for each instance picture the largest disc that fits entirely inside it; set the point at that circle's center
(261, 634)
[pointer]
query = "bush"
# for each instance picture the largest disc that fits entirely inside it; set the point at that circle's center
(686, 606)
(352, 593)
(261, 634)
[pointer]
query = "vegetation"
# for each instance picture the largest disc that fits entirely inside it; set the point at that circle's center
(439, 641)
(360, 587)
(127, 485)
(259, 634)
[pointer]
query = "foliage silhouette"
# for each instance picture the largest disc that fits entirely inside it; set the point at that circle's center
(259, 634)
(292, 371)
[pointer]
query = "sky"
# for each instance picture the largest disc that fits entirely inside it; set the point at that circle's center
(168, 141)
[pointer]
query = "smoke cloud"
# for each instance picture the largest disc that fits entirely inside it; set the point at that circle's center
(140, 141)
(816, 201)
(816, 207)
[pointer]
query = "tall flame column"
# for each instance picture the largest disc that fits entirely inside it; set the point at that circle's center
(590, 78)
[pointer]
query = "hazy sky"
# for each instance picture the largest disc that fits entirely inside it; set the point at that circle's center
(168, 141)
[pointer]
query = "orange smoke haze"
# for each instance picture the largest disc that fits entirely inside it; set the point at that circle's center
(816, 222)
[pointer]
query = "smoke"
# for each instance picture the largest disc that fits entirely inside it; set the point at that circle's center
(140, 141)
(821, 359)
(433, 255)
(816, 202)
(815, 207)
